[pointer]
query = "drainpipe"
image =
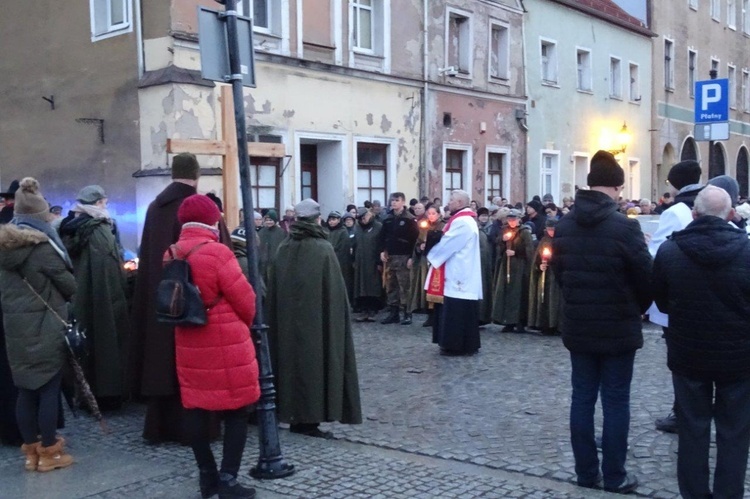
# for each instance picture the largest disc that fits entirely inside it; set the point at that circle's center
(424, 139)
(139, 37)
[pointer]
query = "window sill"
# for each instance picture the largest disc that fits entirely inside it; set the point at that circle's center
(669, 89)
(269, 34)
(549, 83)
(367, 54)
(716, 20)
(616, 97)
(110, 34)
(319, 45)
(634, 102)
(584, 91)
(499, 80)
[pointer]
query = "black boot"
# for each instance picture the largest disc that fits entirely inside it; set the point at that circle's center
(230, 488)
(428, 322)
(406, 321)
(392, 316)
(209, 483)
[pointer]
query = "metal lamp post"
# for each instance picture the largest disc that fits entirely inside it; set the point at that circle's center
(271, 462)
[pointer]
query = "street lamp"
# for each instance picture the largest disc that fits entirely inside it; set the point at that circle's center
(623, 139)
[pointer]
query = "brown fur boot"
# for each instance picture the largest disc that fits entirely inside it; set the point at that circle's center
(54, 457)
(32, 456)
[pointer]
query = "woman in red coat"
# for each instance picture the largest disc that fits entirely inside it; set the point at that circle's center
(216, 365)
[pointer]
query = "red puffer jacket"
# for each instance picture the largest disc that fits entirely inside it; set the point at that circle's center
(216, 364)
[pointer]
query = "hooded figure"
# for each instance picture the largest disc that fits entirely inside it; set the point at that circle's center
(544, 292)
(100, 303)
(310, 330)
(342, 246)
(270, 237)
(368, 278)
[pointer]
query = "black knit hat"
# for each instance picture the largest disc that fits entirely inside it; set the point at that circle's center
(483, 211)
(537, 205)
(684, 173)
(605, 171)
(185, 166)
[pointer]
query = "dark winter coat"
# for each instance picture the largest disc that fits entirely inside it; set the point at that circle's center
(100, 304)
(544, 309)
(310, 334)
(151, 351)
(270, 238)
(420, 265)
(603, 266)
(701, 278)
(400, 233)
(510, 299)
(485, 253)
(216, 364)
(33, 334)
(342, 246)
(368, 280)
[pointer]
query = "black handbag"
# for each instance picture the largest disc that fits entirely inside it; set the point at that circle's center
(73, 332)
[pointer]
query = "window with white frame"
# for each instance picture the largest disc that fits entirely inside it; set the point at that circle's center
(549, 172)
(454, 171)
(495, 162)
(746, 90)
(731, 14)
(745, 16)
(693, 4)
(634, 93)
(372, 171)
(732, 77)
(266, 14)
(499, 51)
(583, 66)
(692, 61)
(459, 42)
(362, 24)
(615, 78)
(549, 61)
(668, 64)
(715, 9)
(110, 18)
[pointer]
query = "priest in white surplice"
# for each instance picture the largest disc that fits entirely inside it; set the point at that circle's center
(457, 257)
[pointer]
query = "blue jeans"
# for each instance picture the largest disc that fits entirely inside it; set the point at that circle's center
(728, 404)
(610, 374)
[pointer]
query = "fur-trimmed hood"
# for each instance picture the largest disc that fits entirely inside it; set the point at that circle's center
(16, 244)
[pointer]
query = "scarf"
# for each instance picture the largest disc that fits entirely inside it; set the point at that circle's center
(54, 237)
(199, 225)
(91, 210)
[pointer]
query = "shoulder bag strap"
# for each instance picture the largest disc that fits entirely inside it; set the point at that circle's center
(65, 323)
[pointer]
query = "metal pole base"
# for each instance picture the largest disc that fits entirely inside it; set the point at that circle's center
(272, 469)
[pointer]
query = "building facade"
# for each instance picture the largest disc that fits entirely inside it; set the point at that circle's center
(696, 38)
(589, 68)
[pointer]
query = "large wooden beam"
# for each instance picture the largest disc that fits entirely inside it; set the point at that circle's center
(231, 164)
(265, 150)
(197, 146)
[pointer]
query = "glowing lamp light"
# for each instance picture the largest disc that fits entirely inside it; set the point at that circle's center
(546, 254)
(621, 141)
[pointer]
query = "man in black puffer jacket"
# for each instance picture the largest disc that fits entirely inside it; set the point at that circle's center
(701, 279)
(601, 261)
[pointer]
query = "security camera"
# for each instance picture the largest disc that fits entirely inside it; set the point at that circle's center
(449, 71)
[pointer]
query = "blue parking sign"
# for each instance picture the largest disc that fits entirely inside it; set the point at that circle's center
(712, 101)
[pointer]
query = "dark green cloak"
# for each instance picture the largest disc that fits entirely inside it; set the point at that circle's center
(419, 267)
(485, 254)
(368, 281)
(342, 246)
(543, 314)
(270, 238)
(310, 332)
(100, 303)
(510, 299)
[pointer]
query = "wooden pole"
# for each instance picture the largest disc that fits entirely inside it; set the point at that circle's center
(230, 161)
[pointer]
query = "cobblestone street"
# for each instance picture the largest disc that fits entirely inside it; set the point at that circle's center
(492, 425)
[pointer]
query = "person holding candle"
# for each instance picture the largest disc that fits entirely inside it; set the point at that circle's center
(417, 264)
(544, 292)
(515, 250)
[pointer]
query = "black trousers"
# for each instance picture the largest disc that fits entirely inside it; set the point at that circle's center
(728, 404)
(198, 428)
(37, 411)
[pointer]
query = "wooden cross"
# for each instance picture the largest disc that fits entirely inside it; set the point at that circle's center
(227, 149)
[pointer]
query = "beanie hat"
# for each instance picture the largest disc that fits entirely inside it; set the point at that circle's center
(213, 197)
(537, 205)
(29, 201)
(547, 198)
(728, 184)
(550, 223)
(272, 215)
(307, 208)
(198, 208)
(257, 216)
(91, 194)
(239, 235)
(605, 171)
(185, 166)
(684, 173)
(483, 211)
(334, 214)
(514, 213)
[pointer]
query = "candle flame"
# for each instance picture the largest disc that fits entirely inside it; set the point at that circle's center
(546, 252)
(424, 224)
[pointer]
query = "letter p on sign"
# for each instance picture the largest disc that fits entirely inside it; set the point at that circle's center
(711, 95)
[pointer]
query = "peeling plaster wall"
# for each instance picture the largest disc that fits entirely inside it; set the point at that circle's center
(298, 102)
(49, 52)
(467, 115)
(569, 121)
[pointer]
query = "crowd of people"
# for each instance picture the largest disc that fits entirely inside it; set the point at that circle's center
(583, 270)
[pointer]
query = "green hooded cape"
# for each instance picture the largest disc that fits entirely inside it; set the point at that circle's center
(310, 331)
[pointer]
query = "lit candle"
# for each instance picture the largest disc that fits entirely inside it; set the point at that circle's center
(424, 224)
(546, 254)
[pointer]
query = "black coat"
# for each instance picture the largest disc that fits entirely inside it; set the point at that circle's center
(701, 279)
(603, 266)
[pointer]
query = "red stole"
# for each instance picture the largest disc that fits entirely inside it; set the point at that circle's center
(435, 286)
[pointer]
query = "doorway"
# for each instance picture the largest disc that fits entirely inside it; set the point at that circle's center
(309, 171)
(322, 173)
